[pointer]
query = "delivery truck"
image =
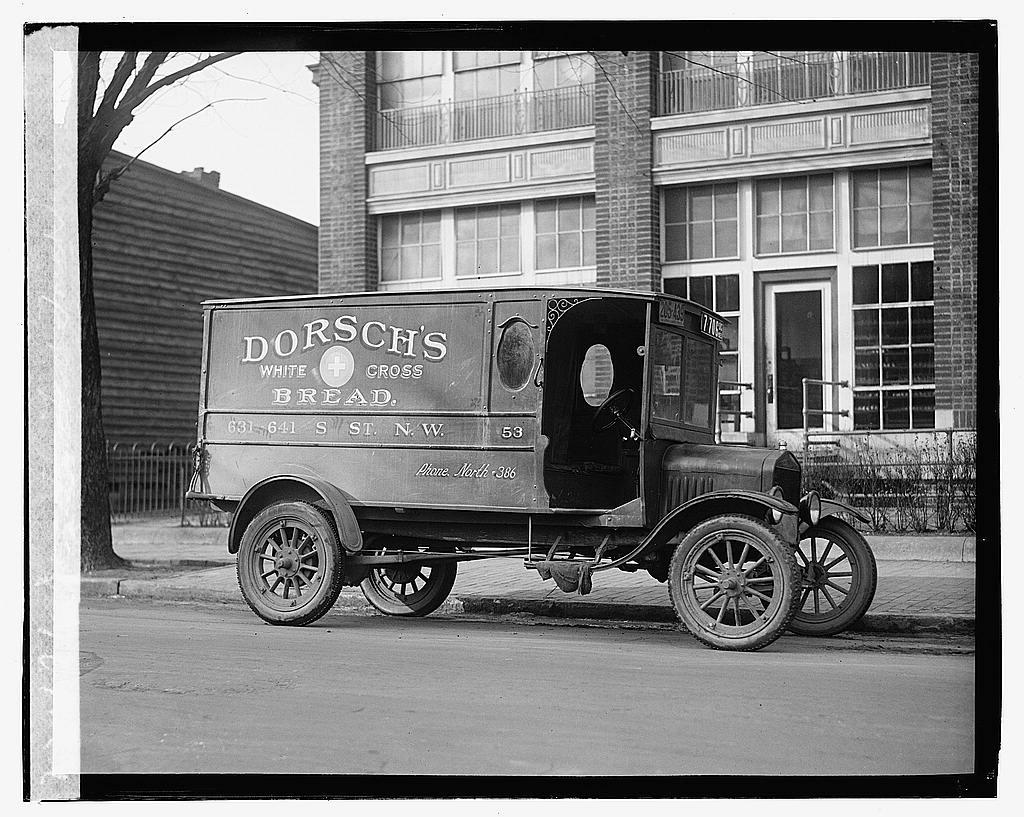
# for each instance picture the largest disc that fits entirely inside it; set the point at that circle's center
(379, 439)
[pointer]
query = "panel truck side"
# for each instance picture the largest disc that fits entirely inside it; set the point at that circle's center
(385, 401)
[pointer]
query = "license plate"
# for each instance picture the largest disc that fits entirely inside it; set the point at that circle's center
(712, 326)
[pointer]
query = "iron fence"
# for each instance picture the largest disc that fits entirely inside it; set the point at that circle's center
(928, 487)
(510, 115)
(150, 480)
(147, 480)
(772, 79)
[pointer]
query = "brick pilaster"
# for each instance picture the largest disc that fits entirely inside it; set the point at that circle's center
(348, 234)
(955, 224)
(628, 232)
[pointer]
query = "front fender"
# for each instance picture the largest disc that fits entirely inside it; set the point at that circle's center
(714, 503)
(830, 507)
(290, 486)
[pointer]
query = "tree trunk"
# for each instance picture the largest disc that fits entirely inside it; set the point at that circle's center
(97, 547)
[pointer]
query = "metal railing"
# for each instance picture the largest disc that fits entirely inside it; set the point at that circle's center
(730, 388)
(147, 480)
(807, 412)
(510, 115)
(767, 80)
(150, 480)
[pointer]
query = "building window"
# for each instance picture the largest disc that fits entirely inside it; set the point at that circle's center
(892, 206)
(464, 60)
(700, 222)
(565, 236)
(722, 294)
(894, 346)
(408, 78)
(795, 214)
(410, 246)
(485, 74)
(487, 240)
(553, 69)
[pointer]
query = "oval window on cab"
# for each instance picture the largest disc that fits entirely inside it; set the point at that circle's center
(596, 374)
(515, 355)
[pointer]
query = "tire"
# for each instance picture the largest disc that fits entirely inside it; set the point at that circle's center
(837, 587)
(386, 587)
(743, 563)
(290, 564)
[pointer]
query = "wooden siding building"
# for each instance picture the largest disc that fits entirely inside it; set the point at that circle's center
(163, 242)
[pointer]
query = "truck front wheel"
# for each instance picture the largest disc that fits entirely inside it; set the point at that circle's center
(733, 583)
(289, 564)
(839, 579)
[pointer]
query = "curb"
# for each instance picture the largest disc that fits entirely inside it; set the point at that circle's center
(353, 602)
(923, 548)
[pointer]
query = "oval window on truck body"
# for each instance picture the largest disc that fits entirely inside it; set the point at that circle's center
(596, 374)
(515, 355)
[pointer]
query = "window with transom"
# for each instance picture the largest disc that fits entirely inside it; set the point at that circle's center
(565, 233)
(701, 222)
(487, 240)
(795, 214)
(410, 246)
(892, 206)
(408, 78)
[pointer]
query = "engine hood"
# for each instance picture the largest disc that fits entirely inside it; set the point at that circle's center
(691, 469)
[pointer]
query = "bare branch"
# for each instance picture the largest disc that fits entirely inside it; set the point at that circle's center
(735, 75)
(264, 84)
(337, 72)
(146, 73)
(143, 94)
(108, 178)
(125, 68)
(614, 90)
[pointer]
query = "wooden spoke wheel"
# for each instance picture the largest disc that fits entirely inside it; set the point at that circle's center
(733, 582)
(290, 564)
(409, 588)
(839, 578)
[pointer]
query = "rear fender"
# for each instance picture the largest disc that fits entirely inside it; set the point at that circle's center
(288, 487)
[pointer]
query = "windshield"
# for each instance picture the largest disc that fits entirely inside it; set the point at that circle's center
(681, 371)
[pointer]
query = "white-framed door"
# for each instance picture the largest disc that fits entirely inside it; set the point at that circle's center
(798, 344)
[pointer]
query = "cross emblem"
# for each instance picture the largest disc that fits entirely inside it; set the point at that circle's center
(337, 366)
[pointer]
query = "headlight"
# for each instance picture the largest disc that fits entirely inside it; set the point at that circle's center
(776, 492)
(810, 508)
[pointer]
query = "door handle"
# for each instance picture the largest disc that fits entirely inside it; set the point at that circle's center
(771, 388)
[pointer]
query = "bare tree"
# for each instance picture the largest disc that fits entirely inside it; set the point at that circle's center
(100, 122)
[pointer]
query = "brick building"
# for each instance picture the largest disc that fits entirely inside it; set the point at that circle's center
(825, 202)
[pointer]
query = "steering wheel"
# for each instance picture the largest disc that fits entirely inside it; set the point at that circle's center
(612, 408)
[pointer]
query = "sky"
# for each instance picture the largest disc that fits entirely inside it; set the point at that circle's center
(261, 133)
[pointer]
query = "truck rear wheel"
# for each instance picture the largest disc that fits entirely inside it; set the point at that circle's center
(733, 583)
(839, 579)
(289, 564)
(409, 588)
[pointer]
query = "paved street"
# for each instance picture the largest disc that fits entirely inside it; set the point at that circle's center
(209, 688)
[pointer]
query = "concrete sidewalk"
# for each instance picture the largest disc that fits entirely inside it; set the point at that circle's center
(931, 591)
